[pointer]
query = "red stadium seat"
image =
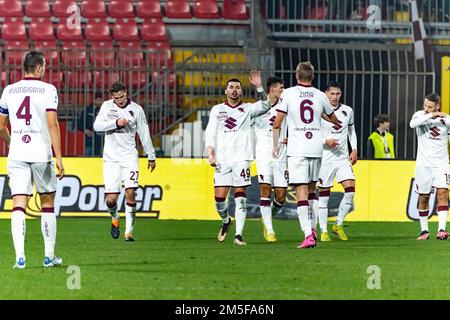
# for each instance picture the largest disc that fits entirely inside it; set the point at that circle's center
(78, 79)
(14, 30)
(73, 53)
(38, 8)
(206, 9)
(129, 54)
(41, 29)
(121, 9)
(98, 30)
(65, 33)
(11, 8)
(102, 53)
(105, 79)
(54, 77)
(49, 48)
(163, 49)
(234, 9)
(15, 75)
(178, 9)
(138, 79)
(93, 9)
(126, 30)
(60, 8)
(154, 30)
(149, 9)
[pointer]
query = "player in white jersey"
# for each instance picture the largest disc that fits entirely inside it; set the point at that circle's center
(229, 145)
(31, 106)
(432, 129)
(120, 119)
(336, 162)
(303, 106)
(272, 173)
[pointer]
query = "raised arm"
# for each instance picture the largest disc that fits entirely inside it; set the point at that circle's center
(263, 105)
(422, 119)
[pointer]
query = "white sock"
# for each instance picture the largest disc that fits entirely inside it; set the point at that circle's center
(113, 211)
(130, 217)
(266, 214)
(345, 206)
(323, 210)
(18, 229)
(313, 204)
(305, 222)
(240, 213)
(48, 228)
(442, 215)
(423, 220)
(222, 209)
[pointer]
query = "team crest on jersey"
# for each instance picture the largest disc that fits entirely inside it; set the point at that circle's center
(308, 135)
(131, 113)
(435, 132)
(241, 109)
(344, 113)
(230, 123)
(26, 138)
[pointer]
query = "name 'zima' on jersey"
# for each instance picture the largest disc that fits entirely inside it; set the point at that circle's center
(432, 138)
(339, 132)
(228, 130)
(303, 106)
(27, 103)
(263, 126)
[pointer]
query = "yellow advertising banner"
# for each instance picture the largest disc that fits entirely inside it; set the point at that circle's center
(183, 189)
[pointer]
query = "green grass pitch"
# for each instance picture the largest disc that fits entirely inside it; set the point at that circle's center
(183, 260)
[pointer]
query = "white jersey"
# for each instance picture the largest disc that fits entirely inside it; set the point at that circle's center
(262, 126)
(229, 130)
(432, 138)
(340, 132)
(120, 143)
(303, 106)
(27, 103)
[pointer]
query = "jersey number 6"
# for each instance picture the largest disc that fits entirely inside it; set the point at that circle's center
(24, 111)
(306, 112)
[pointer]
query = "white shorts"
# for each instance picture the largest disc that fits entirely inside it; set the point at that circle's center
(329, 170)
(232, 174)
(22, 175)
(273, 172)
(303, 170)
(427, 177)
(114, 173)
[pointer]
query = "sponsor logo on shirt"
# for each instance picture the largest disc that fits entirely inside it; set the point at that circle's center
(230, 123)
(338, 125)
(435, 132)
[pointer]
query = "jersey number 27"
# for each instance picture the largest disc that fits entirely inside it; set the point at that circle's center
(24, 111)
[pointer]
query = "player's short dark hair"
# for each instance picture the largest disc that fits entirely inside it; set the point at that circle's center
(116, 87)
(272, 81)
(234, 80)
(31, 60)
(433, 97)
(379, 119)
(333, 84)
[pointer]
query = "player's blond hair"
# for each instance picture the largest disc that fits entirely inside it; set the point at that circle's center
(305, 71)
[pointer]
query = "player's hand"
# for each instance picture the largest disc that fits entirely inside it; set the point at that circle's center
(438, 115)
(89, 133)
(122, 122)
(331, 143)
(255, 78)
(276, 152)
(353, 157)
(212, 159)
(285, 141)
(151, 164)
(60, 167)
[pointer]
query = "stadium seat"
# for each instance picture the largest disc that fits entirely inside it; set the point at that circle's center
(128, 54)
(14, 52)
(78, 79)
(73, 53)
(41, 29)
(178, 9)
(98, 30)
(15, 75)
(11, 8)
(49, 48)
(38, 8)
(149, 9)
(64, 33)
(60, 8)
(138, 79)
(125, 30)
(93, 9)
(102, 53)
(14, 30)
(54, 77)
(234, 9)
(206, 9)
(157, 58)
(121, 9)
(154, 30)
(104, 80)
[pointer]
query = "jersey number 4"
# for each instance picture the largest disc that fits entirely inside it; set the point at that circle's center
(24, 111)
(306, 112)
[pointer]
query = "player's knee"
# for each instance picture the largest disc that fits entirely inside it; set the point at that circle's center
(110, 203)
(424, 199)
(280, 198)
